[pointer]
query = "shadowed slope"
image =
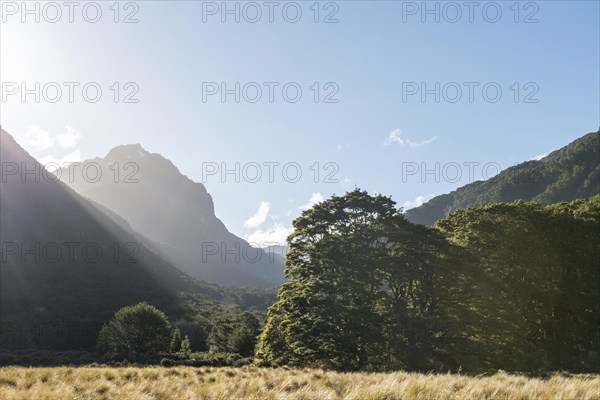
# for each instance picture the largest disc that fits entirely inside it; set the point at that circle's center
(66, 266)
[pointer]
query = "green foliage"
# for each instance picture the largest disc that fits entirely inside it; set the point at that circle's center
(537, 294)
(363, 290)
(235, 334)
(34, 358)
(186, 348)
(136, 329)
(175, 340)
(511, 286)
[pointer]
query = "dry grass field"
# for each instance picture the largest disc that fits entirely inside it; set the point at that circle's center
(251, 382)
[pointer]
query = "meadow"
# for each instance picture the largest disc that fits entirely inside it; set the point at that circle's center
(251, 382)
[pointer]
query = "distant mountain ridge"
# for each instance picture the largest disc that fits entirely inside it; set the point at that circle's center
(564, 175)
(174, 215)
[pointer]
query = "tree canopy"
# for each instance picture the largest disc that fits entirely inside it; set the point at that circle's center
(512, 286)
(363, 290)
(136, 329)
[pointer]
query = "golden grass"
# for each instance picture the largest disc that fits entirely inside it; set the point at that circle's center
(157, 383)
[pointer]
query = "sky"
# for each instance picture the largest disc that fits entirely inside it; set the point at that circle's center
(274, 106)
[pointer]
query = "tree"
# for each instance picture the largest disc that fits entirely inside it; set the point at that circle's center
(186, 349)
(136, 329)
(175, 341)
(361, 290)
(325, 313)
(243, 337)
(235, 334)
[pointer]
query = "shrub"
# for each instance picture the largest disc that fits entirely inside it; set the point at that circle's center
(168, 362)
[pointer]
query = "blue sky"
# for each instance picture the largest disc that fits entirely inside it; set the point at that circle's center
(371, 57)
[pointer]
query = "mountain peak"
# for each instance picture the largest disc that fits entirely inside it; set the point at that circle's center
(127, 152)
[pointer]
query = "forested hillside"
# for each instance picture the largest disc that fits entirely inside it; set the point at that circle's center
(569, 173)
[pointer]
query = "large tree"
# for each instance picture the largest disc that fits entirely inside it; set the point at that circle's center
(137, 329)
(362, 289)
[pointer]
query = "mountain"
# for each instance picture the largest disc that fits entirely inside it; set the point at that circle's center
(566, 174)
(68, 264)
(278, 252)
(66, 267)
(173, 215)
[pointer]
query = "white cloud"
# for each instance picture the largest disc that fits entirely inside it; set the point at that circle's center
(37, 139)
(421, 144)
(419, 200)
(395, 136)
(538, 157)
(261, 215)
(314, 199)
(70, 138)
(48, 161)
(43, 144)
(276, 233)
